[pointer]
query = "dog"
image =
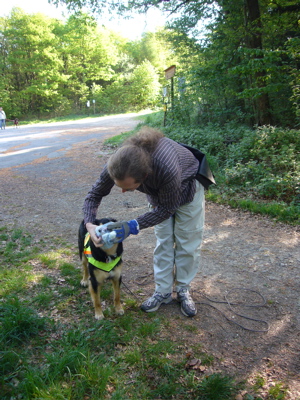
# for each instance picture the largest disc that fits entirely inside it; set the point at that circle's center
(16, 122)
(96, 263)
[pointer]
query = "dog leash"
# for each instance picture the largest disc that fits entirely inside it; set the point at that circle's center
(230, 305)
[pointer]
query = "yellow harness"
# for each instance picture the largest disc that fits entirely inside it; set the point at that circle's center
(105, 266)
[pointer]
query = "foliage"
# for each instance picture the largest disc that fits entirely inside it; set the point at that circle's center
(242, 68)
(144, 86)
(50, 67)
(266, 164)
(240, 64)
(29, 41)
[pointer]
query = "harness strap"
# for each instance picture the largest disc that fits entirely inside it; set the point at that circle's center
(112, 261)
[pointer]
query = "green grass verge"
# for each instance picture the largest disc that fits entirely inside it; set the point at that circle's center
(278, 211)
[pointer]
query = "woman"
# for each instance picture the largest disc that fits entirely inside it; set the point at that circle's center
(165, 171)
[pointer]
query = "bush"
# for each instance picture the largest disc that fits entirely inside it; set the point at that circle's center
(266, 163)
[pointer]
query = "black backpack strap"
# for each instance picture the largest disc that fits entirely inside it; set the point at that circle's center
(204, 174)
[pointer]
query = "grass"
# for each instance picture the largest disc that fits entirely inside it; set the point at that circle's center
(216, 387)
(278, 211)
(53, 348)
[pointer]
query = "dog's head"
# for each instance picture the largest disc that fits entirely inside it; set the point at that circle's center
(103, 221)
(115, 249)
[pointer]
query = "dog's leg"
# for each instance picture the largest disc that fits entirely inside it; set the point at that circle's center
(85, 273)
(95, 295)
(117, 292)
(97, 278)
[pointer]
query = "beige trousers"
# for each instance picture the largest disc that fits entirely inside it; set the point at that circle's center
(177, 251)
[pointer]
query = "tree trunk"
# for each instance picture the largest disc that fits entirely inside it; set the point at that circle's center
(254, 41)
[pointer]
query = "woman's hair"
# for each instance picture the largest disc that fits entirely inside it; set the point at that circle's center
(133, 159)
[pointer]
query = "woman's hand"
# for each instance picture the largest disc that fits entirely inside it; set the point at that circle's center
(91, 230)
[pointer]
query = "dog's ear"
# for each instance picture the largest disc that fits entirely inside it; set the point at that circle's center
(103, 221)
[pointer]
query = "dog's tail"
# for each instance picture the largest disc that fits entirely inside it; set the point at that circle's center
(81, 235)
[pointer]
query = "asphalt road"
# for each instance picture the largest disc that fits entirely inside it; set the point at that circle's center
(27, 143)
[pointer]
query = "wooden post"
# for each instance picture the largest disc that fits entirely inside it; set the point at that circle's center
(172, 92)
(169, 74)
(165, 114)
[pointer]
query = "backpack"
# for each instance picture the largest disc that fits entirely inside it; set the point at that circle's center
(204, 174)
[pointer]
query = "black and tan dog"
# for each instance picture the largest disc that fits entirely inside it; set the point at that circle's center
(98, 265)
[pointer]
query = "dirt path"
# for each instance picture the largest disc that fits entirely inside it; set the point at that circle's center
(239, 251)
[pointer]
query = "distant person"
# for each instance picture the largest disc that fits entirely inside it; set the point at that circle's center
(2, 118)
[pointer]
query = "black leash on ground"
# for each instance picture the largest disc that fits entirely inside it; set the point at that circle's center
(128, 290)
(230, 305)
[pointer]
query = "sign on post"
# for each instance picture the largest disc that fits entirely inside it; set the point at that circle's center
(170, 72)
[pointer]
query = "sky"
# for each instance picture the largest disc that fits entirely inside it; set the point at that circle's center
(132, 29)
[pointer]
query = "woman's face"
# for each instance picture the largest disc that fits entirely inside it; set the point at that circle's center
(128, 184)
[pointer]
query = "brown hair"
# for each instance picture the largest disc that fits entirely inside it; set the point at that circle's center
(133, 159)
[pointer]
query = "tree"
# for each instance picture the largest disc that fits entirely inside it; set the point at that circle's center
(30, 63)
(253, 69)
(88, 55)
(144, 86)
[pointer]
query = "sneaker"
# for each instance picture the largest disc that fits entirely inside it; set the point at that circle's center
(155, 301)
(188, 307)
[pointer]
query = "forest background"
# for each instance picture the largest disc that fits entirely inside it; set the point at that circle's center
(235, 94)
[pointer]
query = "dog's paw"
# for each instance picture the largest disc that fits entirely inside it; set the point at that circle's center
(84, 282)
(119, 311)
(99, 316)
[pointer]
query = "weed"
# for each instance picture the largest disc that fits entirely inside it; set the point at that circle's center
(44, 299)
(148, 328)
(215, 387)
(67, 269)
(191, 328)
(277, 392)
(130, 303)
(133, 357)
(16, 246)
(259, 382)
(206, 359)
